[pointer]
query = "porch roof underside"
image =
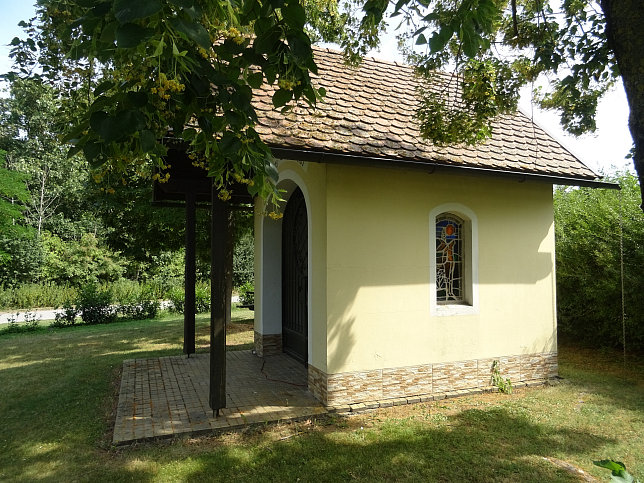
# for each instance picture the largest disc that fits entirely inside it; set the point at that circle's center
(368, 118)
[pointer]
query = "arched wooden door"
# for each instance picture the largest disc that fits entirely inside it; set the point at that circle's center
(295, 255)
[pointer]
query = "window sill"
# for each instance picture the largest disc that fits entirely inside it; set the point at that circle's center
(453, 309)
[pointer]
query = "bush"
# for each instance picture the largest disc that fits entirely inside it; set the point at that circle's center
(14, 327)
(67, 317)
(31, 295)
(24, 261)
(202, 298)
(95, 305)
(79, 261)
(141, 305)
(587, 223)
(166, 270)
(243, 260)
(144, 309)
(247, 294)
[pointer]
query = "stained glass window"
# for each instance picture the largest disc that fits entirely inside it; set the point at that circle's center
(449, 259)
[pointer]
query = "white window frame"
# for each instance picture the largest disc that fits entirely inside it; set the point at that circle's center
(470, 303)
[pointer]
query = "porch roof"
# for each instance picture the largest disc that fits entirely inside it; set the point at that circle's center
(368, 116)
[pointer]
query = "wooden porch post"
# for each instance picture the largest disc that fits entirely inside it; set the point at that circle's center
(221, 246)
(190, 275)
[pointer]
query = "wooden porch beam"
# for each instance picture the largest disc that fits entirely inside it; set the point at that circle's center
(221, 247)
(189, 308)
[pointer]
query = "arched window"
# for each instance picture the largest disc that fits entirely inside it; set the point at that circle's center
(449, 259)
(453, 260)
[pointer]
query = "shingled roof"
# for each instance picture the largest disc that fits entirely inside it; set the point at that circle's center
(368, 114)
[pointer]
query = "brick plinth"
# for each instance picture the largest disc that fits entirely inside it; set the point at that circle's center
(268, 344)
(317, 382)
(428, 379)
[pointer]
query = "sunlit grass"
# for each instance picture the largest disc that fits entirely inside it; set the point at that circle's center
(58, 390)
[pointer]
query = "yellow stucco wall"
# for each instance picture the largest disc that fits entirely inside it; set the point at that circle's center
(311, 179)
(378, 249)
(369, 268)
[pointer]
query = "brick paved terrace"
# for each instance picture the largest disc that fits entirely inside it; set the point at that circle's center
(168, 396)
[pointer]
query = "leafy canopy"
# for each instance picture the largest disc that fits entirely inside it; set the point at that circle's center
(187, 69)
(495, 47)
(182, 70)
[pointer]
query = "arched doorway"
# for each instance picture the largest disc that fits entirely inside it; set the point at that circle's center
(295, 277)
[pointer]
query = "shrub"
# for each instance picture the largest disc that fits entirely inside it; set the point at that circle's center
(247, 294)
(79, 261)
(141, 305)
(14, 327)
(67, 317)
(587, 223)
(24, 261)
(202, 298)
(94, 305)
(31, 295)
(166, 270)
(243, 260)
(177, 298)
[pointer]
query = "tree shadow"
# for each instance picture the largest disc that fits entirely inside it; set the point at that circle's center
(473, 445)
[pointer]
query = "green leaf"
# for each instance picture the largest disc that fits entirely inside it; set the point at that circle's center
(281, 97)
(184, 4)
(91, 150)
(469, 39)
(421, 40)
(126, 11)
(255, 80)
(229, 144)
(189, 134)
(270, 71)
(176, 52)
(159, 49)
(271, 170)
(108, 34)
(130, 35)
(96, 120)
(400, 5)
(136, 99)
(294, 15)
(193, 30)
(148, 140)
(115, 128)
(618, 470)
(74, 150)
(131, 121)
(103, 87)
(250, 6)
(439, 40)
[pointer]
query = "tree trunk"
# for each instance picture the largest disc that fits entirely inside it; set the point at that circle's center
(625, 36)
(41, 202)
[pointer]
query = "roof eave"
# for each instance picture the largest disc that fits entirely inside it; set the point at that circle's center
(430, 167)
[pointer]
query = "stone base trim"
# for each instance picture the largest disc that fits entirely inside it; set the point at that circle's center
(317, 382)
(417, 383)
(387, 403)
(268, 344)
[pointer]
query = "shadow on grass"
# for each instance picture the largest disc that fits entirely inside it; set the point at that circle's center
(474, 445)
(57, 396)
(604, 373)
(58, 389)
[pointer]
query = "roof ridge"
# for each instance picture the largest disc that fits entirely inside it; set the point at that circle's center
(366, 57)
(369, 112)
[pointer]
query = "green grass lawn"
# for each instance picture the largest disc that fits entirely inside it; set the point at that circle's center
(58, 391)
